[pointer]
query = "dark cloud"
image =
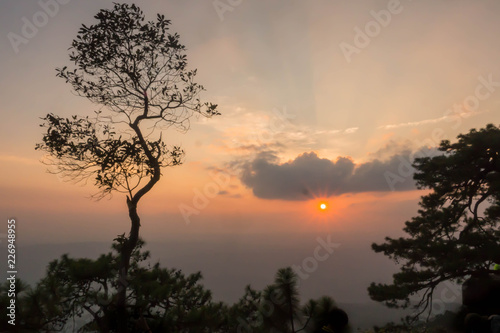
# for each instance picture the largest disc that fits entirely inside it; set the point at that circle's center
(309, 176)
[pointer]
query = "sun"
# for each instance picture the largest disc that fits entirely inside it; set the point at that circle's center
(322, 211)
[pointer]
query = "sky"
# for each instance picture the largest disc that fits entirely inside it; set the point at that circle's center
(320, 101)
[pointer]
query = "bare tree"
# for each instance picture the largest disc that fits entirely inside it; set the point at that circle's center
(137, 71)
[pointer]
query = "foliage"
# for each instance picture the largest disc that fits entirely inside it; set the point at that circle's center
(77, 294)
(137, 71)
(87, 148)
(456, 232)
(159, 299)
(277, 309)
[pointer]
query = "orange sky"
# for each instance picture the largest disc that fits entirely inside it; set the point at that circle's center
(283, 85)
(280, 86)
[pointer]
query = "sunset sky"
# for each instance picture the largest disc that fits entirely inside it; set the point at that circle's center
(321, 102)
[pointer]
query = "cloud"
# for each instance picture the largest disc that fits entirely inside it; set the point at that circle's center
(462, 114)
(309, 176)
(351, 130)
(250, 131)
(392, 147)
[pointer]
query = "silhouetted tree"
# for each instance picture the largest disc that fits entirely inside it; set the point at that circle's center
(456, 233)
(79, 294)
(283, 295)
(136, 71)
(277, 309)
(22, 319)
(323, 315)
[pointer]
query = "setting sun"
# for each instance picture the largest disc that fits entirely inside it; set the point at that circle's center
(322, 206)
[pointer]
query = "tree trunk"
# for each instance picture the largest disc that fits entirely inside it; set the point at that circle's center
(126, 252)
(131, 242)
